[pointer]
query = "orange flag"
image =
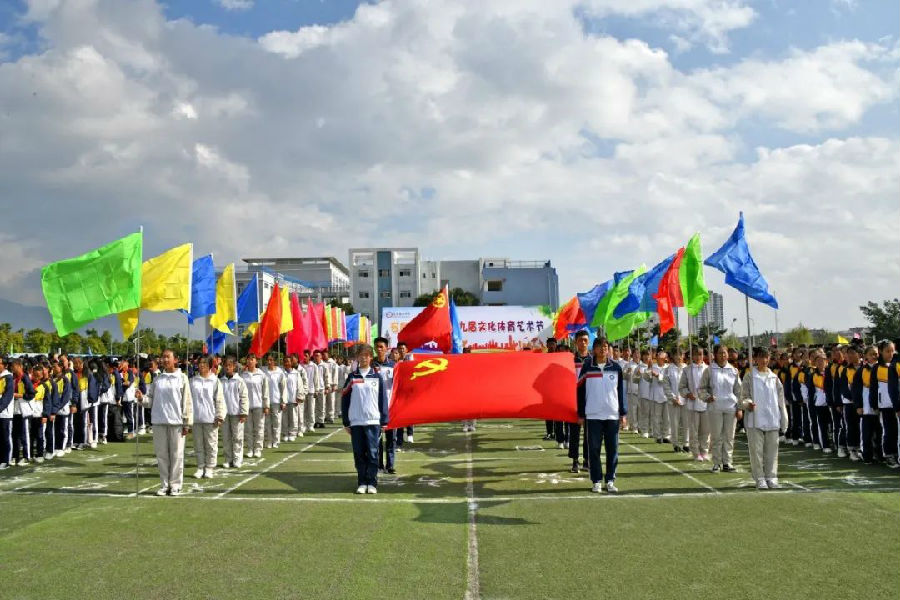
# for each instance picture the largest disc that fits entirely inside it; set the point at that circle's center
(269, 325)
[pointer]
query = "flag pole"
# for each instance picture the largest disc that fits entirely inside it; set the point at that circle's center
(749, 335)
(137, 364)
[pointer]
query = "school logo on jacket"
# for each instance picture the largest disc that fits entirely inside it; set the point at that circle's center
(429, 366)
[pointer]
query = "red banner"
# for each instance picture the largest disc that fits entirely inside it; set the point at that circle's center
(514, 385)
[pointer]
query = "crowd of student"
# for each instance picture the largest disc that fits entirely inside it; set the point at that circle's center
(843, 400)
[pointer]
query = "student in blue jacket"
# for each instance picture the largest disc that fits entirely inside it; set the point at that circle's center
(602, 407)
(364, 411)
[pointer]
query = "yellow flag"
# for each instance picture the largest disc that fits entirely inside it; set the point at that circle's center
(165, 285)
(287, 319)
(226, 301)
(251, 329)
(842, 340)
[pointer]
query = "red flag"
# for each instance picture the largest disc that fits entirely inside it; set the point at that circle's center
(570, 317)
(430, 325)
(451, 387)
(269, 325)
(315, 320)
(668, 295)
(297, 337)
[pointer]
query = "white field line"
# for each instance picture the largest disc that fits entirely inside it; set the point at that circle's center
(676, 469)
(473, 585)
(276, 464)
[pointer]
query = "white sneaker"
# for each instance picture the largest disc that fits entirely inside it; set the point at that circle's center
(841, 453)
(258, 454)
(68, 450)
(48, 455)
(808, 444)
(795, 442)
(773, 484)
(4, 466)
(781, 439)
(611, 488)
(142, 431)
(854, 456)
(198, 474)
(209, 473)
(226, 465)
(816, 447)
(645, 435)
(597, 488)
(409, 439)
(161, 491)
(93, 445)
(559, 445)
(103, 441)
(371, 489)
(762, 485)
(827, 451)
(299, 434)
(566, 445)
(361, 489)
(237, 465)
(175, 492)
(249, 454)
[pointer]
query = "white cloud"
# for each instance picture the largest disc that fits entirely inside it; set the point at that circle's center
(534, 140)
(236, 5)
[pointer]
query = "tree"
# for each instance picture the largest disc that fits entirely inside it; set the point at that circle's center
(885, 319)
(346, 306)
(460, 297)
(798, 336)
(824, 337)
(668, 340)
(38, 340)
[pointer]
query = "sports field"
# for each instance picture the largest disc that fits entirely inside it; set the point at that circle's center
(494, 514)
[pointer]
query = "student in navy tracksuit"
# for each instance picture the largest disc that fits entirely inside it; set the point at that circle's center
(384, 366)
(7, 389)
(364, 411)
(867, 408)
(22, 413)
(602, 406)
(888, 401)
(581, 356)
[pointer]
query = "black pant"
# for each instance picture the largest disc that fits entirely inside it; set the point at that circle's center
(889, 429)
(605, 433)
(549, 426)
(870, 429)
(823, 426)
(364, 439)
(387, 448)
(796, 421)
(6, 441)
(574, 439)
(21, 431)
(560, 432)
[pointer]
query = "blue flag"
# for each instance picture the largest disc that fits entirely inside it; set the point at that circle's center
(215, 343)
(741, 272)
(248, 303)
(654, 341)
(353, 327)
(590, 299)
(641, 290)
(456, 346)
(203, 289)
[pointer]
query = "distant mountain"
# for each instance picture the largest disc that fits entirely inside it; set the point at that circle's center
(22, 316)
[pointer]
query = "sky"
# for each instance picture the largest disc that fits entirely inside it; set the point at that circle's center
(600, 134)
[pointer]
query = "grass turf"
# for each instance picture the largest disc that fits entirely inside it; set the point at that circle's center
(287, 526)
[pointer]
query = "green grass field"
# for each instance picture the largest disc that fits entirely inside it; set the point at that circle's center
(494, 514)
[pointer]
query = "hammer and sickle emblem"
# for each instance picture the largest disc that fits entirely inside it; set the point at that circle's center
(429, 367)
(439, 301)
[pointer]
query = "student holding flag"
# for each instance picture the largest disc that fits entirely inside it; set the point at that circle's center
(762, 399)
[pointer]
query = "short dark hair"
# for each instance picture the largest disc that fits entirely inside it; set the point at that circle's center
(600, 341)
(382, 340)
(582, 333)
(760, 352)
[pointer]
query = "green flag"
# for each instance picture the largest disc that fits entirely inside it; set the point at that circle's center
(102, 282)
(612, 298)
(616, 329)
(693, 286)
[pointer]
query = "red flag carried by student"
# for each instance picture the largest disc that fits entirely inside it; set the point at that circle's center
(297, 337)
(315, 327)
(668, 295)
(508, 385)
(430, 325)
(569, 320)
(269, 326)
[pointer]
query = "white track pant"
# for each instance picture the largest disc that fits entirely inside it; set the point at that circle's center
(699, 432)
(206, 445)
(273, 424)
(763, 453)
(678, 425)
(721, 429)
(233, 440)
(254, 430)
(168, 443)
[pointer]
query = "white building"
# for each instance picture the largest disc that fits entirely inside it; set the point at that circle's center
(711, 314)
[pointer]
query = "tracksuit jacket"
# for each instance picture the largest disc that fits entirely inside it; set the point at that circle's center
(601, 391)
(7, 387)
(364, 400)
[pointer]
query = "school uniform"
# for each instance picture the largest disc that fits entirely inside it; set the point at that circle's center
(387, 445)
(679, 413)
(237, 406)
(87, 408)
(309, 407)
(364, 409)
(764, 419)
(893, 388)
(576, 443)
(209, 411)
(849, 417)
(41, 427)
(323, 386)
(632, 392)
(698, 409)
(887, 407)
(870, 421)
(276, 405)
(331, 393)
(64, 389)
(784, 376)
(644, 412)
(833, 399)
(659, 419)
(722, 385)
(294, 394)
(171, 411)
(110, 391)
(810, 416)
(258, 395)
(23, 412)
(602, 403)
(127, 399)
(7, 390)
(818, 401)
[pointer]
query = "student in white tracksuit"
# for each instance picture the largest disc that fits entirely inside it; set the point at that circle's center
(722, 384)
(323, 384)
(237, 407)
(765, 416)
(258, 394)
(643, 365)
(294, 395)
(679, 413)
(331, 393)
(171, 412)
(659, 413)
(697, 408)
(209, 414)
(277, 403)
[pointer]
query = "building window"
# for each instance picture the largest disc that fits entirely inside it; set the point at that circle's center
(434, 275)
(405, 294)
(405, 273)
(424, 275)
(364, 274)
(385, 294)
(384, 272)
(495, 285)
(364, 294)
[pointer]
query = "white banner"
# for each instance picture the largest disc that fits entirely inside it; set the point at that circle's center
(484, 328)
